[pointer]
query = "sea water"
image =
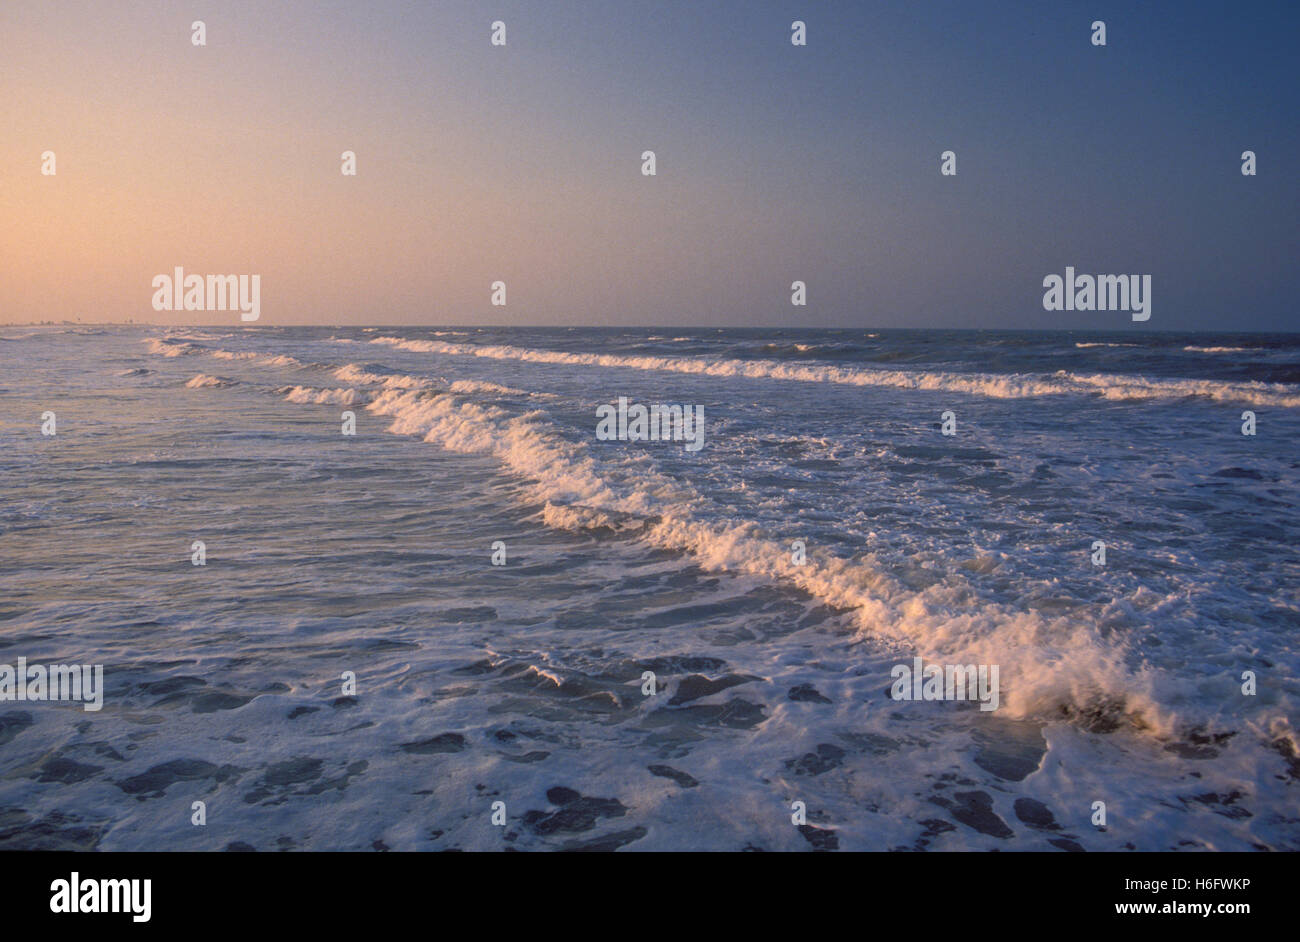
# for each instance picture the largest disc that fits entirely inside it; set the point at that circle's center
(622, 643)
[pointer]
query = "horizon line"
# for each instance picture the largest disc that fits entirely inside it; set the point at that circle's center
(1146, 331)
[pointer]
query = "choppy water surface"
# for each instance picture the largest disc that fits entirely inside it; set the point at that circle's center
(522, 683)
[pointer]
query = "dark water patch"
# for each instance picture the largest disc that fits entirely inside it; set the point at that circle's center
(155, 782)
(445, 742)
(1036, 814)
(876, 744)
(216, 701)
(575, 813)
(383, 645)
(667, 771)
(948, 779)
(578, 691)
(975, 810)
(292, 772)
(825, 758)
(478, 613)
(301, 776)
(1224, 804)
(734, 714)
(1186, 750)
(339, 782)
(608, 843)
(558, 568)
(11, 724)
(1010, 750)
(821, 839)
(681, 663)
(806, 693)
(171, 685)
(1281, 746)
(537, 755)
(1248, 474)
(1066, 844)
(57, 831)
(1199, 744)
(933, 828)
(954, 453)
(696, 686)
(65, 771)
(1104, 715)
(190, 690)
(936, 826)
(687, 615)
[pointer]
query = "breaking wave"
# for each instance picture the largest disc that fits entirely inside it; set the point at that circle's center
(203, 380)
(308, 395)
(1050, 667)
(994, 385)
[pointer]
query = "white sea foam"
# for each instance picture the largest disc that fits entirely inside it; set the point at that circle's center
(171, 348)
(480, 386)
(309, 395)
(359, 375)
(1047, 663)
(193, 335)
(1199, 585)
(203, 380)
(1050, 665)
(994, 385)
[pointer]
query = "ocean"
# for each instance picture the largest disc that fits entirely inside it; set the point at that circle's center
(476, 624)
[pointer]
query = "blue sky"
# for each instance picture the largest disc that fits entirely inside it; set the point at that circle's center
(775, 163)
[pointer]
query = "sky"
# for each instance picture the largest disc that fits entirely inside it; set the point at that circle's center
(775, 163)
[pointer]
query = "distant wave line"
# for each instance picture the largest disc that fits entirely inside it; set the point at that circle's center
(993, 385)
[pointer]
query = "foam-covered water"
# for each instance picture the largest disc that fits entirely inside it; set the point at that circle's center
(522, 683)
